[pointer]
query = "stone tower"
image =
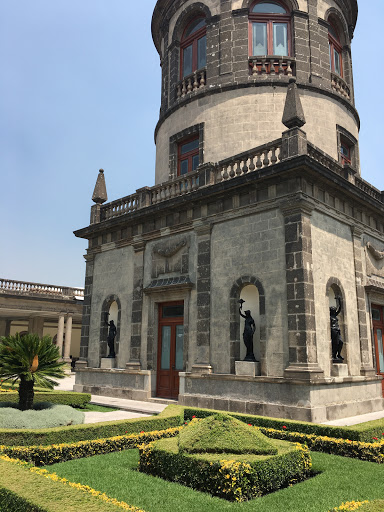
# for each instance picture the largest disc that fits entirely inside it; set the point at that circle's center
(259, 200)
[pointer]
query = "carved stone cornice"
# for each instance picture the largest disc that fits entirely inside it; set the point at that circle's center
(297, 205)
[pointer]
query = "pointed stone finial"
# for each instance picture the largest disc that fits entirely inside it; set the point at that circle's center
(100, 193)
(293, 116)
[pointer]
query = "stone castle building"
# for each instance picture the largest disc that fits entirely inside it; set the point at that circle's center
(258, 196)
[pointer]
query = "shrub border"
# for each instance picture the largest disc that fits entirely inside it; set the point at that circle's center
(79, 400)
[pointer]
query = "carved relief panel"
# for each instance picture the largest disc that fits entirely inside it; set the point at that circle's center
(170, 257)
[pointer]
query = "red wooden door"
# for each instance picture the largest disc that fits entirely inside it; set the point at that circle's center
(378, 333)
(170, 360)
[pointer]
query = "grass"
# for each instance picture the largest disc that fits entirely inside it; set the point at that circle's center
(97, 408)
(340, 479)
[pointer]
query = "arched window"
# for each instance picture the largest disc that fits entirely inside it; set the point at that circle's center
(270, 29)
(335, 51)
(193, 47)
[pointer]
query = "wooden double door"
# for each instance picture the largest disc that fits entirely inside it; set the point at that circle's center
(170, 360)
(378, 333)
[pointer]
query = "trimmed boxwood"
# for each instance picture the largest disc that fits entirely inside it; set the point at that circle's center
(70, 398)
(172, 416)
(228, 479)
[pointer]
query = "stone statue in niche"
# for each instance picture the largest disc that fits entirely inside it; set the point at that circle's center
(249, 331)
(337, 342)
(111, 336)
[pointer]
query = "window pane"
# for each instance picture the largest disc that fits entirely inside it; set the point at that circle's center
(195, 162)
(165, 347)
(344, 150)
(173, 311)
(280, 39)
(184, 166)
(194, 27)
(202, 52)
(376, 314)
(179, 363)
(337, 62)
(259, 39)
(269, 7)
(189, 146)
(380, 349)
(187, 60)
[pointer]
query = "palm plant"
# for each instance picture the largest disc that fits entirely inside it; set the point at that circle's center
(31, 360)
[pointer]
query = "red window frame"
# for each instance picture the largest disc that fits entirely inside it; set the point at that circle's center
(269, 18)
(334, 44)
(344, 158)
(187, 156)
(192, 39)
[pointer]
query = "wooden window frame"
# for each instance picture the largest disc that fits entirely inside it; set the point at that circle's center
(189, 155)
(345, 160)
(335, 44)
(192, 39)
(270, 19)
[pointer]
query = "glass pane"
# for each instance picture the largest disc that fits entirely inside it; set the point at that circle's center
(333, 33)
(337, 62)
(280, 39)
(189, 146)
(195, 26)
(195, 162)
(165, 347)
(376, 314)
(269, 7)
(187, 60)
(344, 150)
(380, 349)
(259, 39)
(179, 364)
(173, 311)
(184, 167)
(202, 52)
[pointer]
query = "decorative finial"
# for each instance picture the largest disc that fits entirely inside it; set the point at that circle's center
(293, 116)
(100, 193)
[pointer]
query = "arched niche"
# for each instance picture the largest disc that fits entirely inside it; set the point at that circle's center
(250, 289)
(334, 288)
(111, 310)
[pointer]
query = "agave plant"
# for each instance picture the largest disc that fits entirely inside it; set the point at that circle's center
(31, 360)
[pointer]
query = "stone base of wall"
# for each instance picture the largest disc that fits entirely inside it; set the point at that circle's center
(128, 384)
(328, 400)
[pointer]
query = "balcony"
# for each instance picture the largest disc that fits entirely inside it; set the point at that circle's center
(340, 86)
(191, 83)
(272, 65)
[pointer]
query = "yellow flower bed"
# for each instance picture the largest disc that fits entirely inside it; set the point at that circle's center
(349, 506)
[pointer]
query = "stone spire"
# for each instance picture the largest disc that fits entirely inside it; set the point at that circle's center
(100, 193)
(293, 116)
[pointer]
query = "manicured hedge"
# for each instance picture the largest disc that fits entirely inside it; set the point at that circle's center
(52, 454)
(363, 432)
(172, 416)
(373, 452)
(228, 479)
(55, 397)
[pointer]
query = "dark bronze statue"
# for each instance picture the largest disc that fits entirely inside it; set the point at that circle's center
(337, 342)
(249, 331)
(111, 336)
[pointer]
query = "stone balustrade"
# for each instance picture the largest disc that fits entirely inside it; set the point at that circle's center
(249, 161)
(272, 65)
(119, 207)
(178, 187)
(191, 83)
(369, 189)
(12, 287)
(340, 86)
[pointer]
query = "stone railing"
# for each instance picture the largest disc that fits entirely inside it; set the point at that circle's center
(249, 161)
(340, 86)
(24, 288)
(368, 189)
(272, 65)
(116, 208)
(325, 160)
(191, 83)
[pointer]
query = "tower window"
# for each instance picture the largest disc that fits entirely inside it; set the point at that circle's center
(188, 155)
(270, 30)
(345, 152)
(347, 148)
(335, 52)
(193, 47)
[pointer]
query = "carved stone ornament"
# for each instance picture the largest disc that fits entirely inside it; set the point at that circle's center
(170, 258)
(374, 260)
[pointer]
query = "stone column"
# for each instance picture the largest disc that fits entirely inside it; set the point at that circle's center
(3, 326)
(36, 326)
(365, 352)
(137, 305)
(60, 334)
(303, 363)
(86, 316)
(203, 287)
(68, 338)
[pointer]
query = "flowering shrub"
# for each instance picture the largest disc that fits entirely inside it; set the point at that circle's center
(373, 452)
(44, 455)
(349, 506)
(228, 479)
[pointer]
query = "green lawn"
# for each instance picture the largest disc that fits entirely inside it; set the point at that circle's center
(339, 479)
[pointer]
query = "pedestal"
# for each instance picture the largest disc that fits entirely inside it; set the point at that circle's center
(339, 370)
(133, 366)
(247, 368)
(201, 368)
(107, 363)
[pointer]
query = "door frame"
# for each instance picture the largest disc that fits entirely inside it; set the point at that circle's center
(378, 324)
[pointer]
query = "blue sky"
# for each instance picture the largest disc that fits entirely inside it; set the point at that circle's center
(79, 91)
